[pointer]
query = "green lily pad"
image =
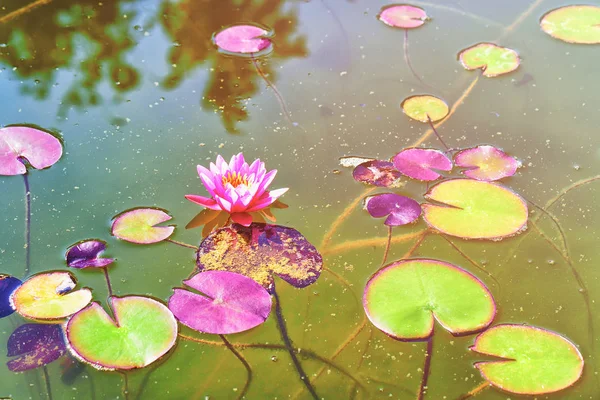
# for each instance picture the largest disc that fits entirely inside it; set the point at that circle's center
(473, 209)
(50, 296)
(421, 106)
(492, 59)
(534, 360)
(138, 225)
(143, 331)
(403, 299)
(573, 24)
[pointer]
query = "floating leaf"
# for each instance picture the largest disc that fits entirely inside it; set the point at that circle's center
(493, 60)
(35, 345)
(486, 163)
(143, 331)
(138, 225)
(378, 173)
(50, 296)
(573, 24)
(400, 210)
(228, 303)
(402, 16)
(404, 298)
(420, 107)
(87, 254)
(8, 284)
(260, 250)
(39, 148)
(353, 161)
(473, 209)
(534, 360)
(422, 164)
(242, 39)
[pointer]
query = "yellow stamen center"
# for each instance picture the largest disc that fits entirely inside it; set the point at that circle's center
(235, 179)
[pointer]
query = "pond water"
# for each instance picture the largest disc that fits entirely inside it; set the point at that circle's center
(141, 95)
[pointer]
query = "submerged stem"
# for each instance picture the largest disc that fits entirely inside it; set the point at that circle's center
(409, 64)
(426, 368)
(182, 244)
(436, 132)
(108, 285)
(475, 391)
(27, 224)
(288, 344)
(125, 385)
(47, 382)
(244, 362)
(387, 246)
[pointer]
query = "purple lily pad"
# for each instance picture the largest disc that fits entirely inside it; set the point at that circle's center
(8, 284)
(377, 173)
(35, 345)
(39, 148)
(242, 39)
(422, 164)
(403, 16)
(400, 210)
(486, 163)
(258, 251)
(87, 254)
(228, 303)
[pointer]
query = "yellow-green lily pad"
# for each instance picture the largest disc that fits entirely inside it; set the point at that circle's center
(473, 209)
(425, 107)
(533, 361)
(142, 331)
(138, 225)
(573, 24)
(492, 59)
(50, 296)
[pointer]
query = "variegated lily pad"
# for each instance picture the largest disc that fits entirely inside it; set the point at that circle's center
(472, 209)
(486, 163)
(425, 107)
(138, 225)
(377, 173)
(533, 361)
(259, 251)
(404, 299)
(35, 345)
(50, 296)
(492, 59)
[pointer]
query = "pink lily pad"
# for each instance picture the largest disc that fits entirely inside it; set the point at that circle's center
(377, 173)
(486, 163)
(35, 345)
(228, 303)
(8, 284)
(258, 251)
(87, 254)
(242, 39)
(39, 148)
(422, 164)
(138, 225)
(400, 210)
(402, 16)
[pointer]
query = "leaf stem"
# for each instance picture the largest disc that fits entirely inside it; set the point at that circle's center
(182, 244)
(244, 362)
(27, 224)
(475, 391)
(108, 285)
(426, 369)
(288, 344)
(409, 64)
(47, 382)
(125, 385)
(436, 133)
(387, 246)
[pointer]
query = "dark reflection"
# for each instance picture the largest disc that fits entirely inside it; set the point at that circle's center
(190, 24)
(87, 38)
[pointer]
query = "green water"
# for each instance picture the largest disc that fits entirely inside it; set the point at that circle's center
(141, 97)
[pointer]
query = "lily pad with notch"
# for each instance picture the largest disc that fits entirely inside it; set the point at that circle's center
(377, 173)
(260, 250)
(243, 39)
(533, 361)
(403, 16)
(492, 59)
(35, 345)
(227, 303)
(424, 108)
(404, 298)
(139, 225)
(142, 331)
(87, 253)
(41, 149)
(50, 296)
(486, 163)
(8, 284)
(399, 210)
(422, 164)
(573, 24)
(472, 209)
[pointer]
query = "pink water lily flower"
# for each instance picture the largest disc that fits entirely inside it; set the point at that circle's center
(237, 188)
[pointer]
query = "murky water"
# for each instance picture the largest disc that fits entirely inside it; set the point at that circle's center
(141, 96)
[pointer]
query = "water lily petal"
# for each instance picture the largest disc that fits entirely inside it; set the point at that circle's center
(242, 218)
(203, 201)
